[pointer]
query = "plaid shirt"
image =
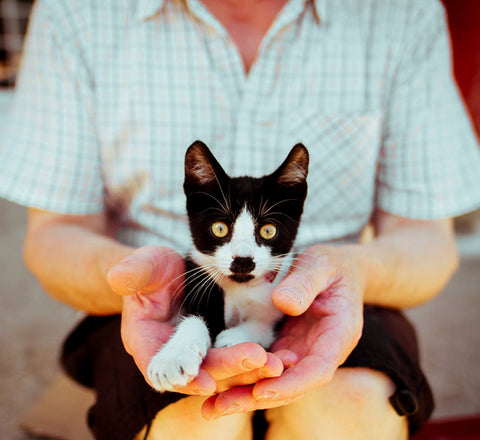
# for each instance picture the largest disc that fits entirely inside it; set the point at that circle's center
(112, 92)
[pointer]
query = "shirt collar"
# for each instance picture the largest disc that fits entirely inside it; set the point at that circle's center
(317, 7)
(148, 8)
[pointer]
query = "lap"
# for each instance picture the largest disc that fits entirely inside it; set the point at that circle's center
(182, 420)
(353, 406)
(94, 355)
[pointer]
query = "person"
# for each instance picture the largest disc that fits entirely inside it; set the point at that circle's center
(110, 95)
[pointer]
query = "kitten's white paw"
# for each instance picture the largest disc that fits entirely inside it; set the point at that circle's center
(232, 336)
(178, 361)
(246, 332)
(170, 369)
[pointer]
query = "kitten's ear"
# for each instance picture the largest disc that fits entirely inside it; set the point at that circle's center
(294, 169)
(201, 167)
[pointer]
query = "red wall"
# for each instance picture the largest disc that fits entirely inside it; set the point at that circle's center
(464, 23)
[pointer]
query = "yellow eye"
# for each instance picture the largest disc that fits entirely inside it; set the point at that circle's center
(220, 229)
(268, 231)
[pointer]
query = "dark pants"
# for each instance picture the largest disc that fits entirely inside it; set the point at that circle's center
(93, 355)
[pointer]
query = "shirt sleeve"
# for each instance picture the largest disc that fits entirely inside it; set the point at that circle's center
(429, 164)
(49, 155)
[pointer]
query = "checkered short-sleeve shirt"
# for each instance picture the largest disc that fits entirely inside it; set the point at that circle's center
(112, 92)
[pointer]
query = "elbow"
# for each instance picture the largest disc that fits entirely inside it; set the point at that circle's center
(445, 269)
(33, 253)
(452, 261)
(452, 256)
(36, 251)
(29, 252)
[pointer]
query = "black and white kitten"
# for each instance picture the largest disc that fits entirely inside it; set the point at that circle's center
(243, 230)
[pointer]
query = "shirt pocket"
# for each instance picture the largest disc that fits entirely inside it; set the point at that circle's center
(343, 160)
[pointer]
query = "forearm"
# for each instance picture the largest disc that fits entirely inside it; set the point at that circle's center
(408, 263)
(71, 262)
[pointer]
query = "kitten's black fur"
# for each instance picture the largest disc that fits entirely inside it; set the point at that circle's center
(254, 193)
(204, 207)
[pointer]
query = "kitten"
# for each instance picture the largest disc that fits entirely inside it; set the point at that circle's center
(243, 231)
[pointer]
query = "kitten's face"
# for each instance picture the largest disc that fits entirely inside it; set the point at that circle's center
(243, 227)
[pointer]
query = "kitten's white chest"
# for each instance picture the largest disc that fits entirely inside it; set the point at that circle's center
(250, 315)
(244, 303)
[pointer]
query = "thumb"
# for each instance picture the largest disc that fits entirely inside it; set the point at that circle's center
(148, 269)
(294, 295)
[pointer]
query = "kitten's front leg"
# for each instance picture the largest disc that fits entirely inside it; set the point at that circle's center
(178, 361)
(249, 331)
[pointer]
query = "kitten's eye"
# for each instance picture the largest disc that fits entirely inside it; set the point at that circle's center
(268, 231)
(220, 229)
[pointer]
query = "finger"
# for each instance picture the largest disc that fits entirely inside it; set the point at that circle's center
(235, 401)
(223, 363)
(202, 385)
(272, 368)
(288, 358)
(308, 278)
(310, 372)
(334, 339)
(148, 268)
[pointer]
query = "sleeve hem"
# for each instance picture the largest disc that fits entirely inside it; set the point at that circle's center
(59, 207)
(427, 206)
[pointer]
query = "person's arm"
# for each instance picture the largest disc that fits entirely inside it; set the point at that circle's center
(408, 263)
(71, 255)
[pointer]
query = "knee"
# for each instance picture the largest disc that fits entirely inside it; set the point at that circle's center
(183, 420)
(353, 405)
(361, 389)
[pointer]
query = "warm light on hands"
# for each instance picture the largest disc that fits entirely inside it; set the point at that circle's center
(150, 280)
(323, 295)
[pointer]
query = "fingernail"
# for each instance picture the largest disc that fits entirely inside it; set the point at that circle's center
(248, 364)
(233, 408)
(267, 373)
(268, 395)
(263, 373)
(292, 294)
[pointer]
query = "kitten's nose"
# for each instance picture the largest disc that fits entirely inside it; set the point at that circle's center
(242, 265)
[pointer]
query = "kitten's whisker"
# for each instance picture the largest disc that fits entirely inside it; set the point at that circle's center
(278, 260)
(204, 287)
(191, 276)
(225, 199)
(279, 214)
(299, 268)
(224, 207)
(265, 213)
(198, 284)
(183, 275)
(208, 288)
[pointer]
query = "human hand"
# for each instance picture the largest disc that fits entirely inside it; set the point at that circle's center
(150, 279)
(324, 297)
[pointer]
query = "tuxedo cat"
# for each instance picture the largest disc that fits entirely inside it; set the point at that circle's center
(243, 230)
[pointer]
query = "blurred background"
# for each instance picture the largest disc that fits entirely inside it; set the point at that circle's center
(32, 325)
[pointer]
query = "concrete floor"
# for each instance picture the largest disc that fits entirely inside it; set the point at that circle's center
(32, 326)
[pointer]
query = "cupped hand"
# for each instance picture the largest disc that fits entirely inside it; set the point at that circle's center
(323, 295)
(150, 280)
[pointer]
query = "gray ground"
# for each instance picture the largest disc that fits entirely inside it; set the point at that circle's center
(32, 326)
